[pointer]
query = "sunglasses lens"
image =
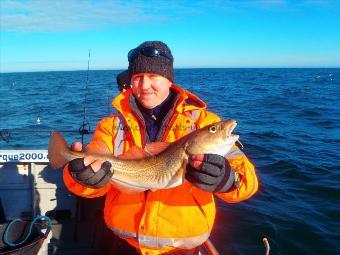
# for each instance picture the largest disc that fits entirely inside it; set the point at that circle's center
(149, 52)
(132, 54)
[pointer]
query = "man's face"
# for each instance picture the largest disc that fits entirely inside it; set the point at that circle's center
(150, 89)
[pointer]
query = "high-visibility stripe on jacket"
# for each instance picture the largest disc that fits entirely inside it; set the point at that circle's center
(166, 219)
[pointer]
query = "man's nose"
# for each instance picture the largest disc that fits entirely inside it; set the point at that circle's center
(145, 82)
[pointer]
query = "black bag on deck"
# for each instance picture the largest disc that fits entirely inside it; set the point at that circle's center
(23, 237)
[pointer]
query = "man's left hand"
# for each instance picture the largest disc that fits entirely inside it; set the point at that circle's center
(210, 172)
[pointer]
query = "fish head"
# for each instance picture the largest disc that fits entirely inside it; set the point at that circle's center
(216, 138)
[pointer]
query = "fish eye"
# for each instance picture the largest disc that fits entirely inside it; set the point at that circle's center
(212, 129)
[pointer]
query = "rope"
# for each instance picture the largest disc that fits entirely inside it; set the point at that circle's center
(39, 217)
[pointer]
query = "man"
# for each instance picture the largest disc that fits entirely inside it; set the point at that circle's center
(123, 81)
(165, 221)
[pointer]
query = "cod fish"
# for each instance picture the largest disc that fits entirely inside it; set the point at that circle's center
(161, 171)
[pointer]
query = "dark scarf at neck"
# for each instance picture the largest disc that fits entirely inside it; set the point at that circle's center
(153, 117)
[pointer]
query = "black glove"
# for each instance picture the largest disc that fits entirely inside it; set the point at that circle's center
(87, 177)
(215, 174)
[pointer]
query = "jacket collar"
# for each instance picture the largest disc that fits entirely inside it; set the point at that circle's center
(186, 102)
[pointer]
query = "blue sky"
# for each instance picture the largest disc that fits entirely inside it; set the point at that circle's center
(57, 35)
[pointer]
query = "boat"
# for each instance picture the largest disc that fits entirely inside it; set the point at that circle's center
(29, 188)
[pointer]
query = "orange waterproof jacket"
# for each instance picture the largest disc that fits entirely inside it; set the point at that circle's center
(166, 219)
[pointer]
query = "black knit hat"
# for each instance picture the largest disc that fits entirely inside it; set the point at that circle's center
(152, 57)
(123, 80)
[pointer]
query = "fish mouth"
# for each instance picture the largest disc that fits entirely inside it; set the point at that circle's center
(234, 136)
(232, 126)
(229, 127)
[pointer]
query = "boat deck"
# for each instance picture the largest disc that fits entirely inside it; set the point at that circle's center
(29, 187)
(64, 242)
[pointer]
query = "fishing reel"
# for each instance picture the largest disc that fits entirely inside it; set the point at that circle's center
(84, 129)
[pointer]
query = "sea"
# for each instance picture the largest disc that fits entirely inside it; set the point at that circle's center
(289, 125)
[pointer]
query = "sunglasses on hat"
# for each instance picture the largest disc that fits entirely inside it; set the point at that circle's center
(148, 52)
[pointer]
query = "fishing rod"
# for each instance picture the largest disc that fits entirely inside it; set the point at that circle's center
(85, 127)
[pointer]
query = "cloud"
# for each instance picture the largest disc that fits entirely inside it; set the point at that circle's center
(63, 15)
(73, 15)
(76, 15)
(285, 5)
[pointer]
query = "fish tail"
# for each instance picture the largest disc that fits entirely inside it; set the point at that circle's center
(58, 151)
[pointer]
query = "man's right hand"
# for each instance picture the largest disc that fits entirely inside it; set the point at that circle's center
(89, 172)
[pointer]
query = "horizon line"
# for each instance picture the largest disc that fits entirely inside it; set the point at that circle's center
(119, 69)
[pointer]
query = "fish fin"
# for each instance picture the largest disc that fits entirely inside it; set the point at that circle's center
(149, 150)
(178, 178)
(58, 151)
(134, 153)
(174, 182)
(156, 148)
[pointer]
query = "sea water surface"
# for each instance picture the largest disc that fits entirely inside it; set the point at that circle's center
(289, 124)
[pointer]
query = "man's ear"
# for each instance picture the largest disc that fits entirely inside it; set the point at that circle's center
(169, 83)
